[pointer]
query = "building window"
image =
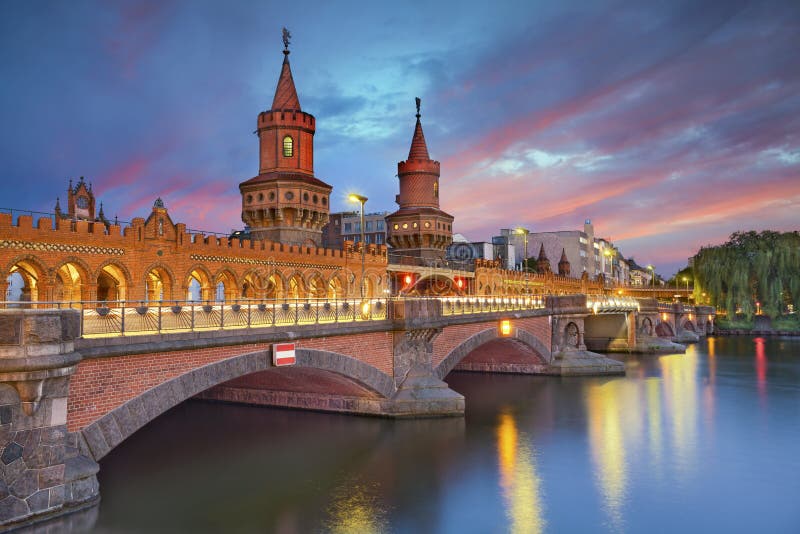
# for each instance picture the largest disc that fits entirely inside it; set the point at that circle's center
(436, 189)
(358, 227)
(379, 239)
(367, 239)
(348, 227)
(288, 148)
(381, 225)
(368, 226)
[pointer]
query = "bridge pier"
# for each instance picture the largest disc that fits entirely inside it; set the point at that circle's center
(41, 471)
(420, 393)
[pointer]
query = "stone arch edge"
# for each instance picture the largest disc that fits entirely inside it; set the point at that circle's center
(476, 340)
(104, 434)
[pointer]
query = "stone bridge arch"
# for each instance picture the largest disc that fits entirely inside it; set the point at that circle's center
(107, 432)
(489, 335)
(664, 329)
(687, 324)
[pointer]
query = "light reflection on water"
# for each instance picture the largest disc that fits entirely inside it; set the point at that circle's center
(519, 480)
(355, 509)
(700, 442)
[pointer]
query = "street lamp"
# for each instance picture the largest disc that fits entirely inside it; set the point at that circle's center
(652, 274)
(524, 232)
(610, 253)
(362, 200)
(685, 279)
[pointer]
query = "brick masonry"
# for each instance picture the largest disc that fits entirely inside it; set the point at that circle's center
(102, 384)
(453, 336)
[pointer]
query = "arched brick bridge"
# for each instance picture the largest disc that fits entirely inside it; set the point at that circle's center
(67, 400)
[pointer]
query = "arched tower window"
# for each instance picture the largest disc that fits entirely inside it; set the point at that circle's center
(436, 189)
(288, 147)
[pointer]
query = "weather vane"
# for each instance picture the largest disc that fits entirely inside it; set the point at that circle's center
(419, 101)
(286, 38)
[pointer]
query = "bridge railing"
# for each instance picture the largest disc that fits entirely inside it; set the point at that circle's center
(611, 304)
(470, 305)
(119, 318)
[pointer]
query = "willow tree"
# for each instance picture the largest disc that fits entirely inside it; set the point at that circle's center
(751, 267)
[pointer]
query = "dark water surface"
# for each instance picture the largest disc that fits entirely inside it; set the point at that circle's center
(707, 441)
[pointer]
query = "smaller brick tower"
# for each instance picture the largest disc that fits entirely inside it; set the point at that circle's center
(542, 262)
(419, 228)
(80, 201)
(563, 264)
(286, 203)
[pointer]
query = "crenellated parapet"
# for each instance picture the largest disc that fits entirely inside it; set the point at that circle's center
(157, 259)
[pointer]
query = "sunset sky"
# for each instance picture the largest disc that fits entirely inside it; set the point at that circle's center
(669, 124)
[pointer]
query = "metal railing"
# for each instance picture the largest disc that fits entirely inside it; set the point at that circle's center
(470, 305)
(611, 304)
(122, 318)
(118, 318)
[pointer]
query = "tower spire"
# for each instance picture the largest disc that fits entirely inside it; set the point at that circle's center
(419, 148)
(285, 92)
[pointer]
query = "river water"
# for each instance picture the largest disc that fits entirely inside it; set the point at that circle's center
(707, 441)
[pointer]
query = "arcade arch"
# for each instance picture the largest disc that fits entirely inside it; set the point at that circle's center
(112, 283)
(158, 284)
(31, 273)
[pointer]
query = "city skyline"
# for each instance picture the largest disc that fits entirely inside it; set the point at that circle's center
(541, 115)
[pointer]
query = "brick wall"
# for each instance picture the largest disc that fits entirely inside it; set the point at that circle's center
(453, 336)
(102, 384)
(375, 349)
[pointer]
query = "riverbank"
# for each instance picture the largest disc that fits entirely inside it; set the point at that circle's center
(742, 332)
(760, 325)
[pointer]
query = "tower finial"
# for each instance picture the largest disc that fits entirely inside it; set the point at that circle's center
(419, 101)
(287, 36)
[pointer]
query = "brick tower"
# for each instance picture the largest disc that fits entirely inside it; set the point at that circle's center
(286, 203)
(419, 228)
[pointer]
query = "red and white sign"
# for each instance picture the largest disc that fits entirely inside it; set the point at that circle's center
(283, 354)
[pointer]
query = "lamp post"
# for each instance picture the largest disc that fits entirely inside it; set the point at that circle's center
(652, 275)
(362, 200)
(610, 253)
(685, 279)
(524, 232)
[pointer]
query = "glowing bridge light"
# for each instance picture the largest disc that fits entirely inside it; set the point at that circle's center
(505, 327)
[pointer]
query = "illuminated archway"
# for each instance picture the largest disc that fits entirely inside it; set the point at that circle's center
(297, 289)
(316, 286)
(225, 284)
(335, 288)
(112, 283)
(252, 285)
(158, 284)
(31, 274)
(198, 284)
(275, 287)
(69, 283)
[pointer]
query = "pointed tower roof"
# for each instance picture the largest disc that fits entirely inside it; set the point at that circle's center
(285, 92)
(542, 255)
(419, 148)
(564, 255)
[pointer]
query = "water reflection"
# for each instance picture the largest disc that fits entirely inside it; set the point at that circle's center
(604, 404)
(630, 421)
(679, 374)
(355, 509)
(761, 369)
(519, 480)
